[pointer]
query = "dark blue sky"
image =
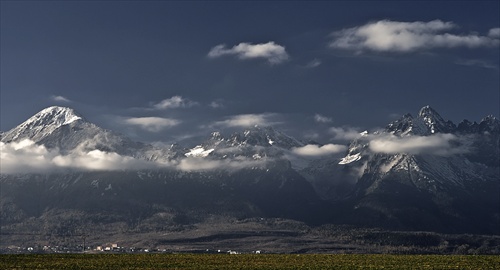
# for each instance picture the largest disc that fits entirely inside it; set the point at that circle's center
(162, 71)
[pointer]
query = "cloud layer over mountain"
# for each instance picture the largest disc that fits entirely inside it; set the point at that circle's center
(28, 157)
(437, 144)
(316, 150)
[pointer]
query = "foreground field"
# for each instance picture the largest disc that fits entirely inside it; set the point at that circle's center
(245, 261)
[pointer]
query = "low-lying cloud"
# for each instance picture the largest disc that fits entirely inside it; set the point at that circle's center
(246, 120)
(191, 164)
(312, 150)
(394, 36)
(152, 124)
(438, 144)
(494, 32)
(344, 133)
(272, 52)
(28, 157)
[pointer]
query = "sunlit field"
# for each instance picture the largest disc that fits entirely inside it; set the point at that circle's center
(246, 261)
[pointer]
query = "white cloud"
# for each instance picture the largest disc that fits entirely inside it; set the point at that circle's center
(153, 124)
(272, 52)
(476, 63)
(216, 104)
(438, 144)
(494, 32)
(204, 164)
(314, 63)
(24, 157)
(27, 157)
(385, 36)
(245, 120)
(322, 119)
(174, 102)
(60, 99)
(315, 150)
(97, 160)
(341, 133)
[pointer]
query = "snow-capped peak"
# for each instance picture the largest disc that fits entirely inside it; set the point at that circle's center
(44, 122)
(53, 116)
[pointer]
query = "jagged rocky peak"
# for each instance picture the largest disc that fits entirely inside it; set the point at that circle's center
(489, 124)
(264, 136)
(428, 111)
(402, 125)
(434, 121)
(467, 126)
(427, 122)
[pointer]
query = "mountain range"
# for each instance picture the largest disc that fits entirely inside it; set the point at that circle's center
(62, 174)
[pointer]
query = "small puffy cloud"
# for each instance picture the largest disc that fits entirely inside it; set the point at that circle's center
(438, 144)
(272, 52)
(315, 150)
(153, 124)
(494, 32)
(60, 99)
(393, 36)
(245, 120)
(173, 103)
(322, 119)
(314, 63)
(216, 104)
(341, 133)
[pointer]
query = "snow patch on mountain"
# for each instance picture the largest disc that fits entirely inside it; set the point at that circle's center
(350, 158)
(198, 151)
